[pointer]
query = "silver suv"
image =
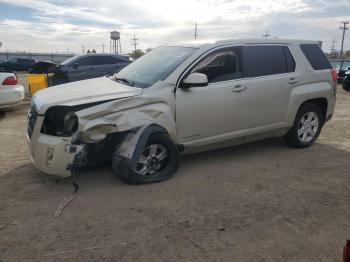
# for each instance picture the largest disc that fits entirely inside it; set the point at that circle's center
(183, 98)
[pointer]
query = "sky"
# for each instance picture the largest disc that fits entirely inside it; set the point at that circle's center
(67, 25)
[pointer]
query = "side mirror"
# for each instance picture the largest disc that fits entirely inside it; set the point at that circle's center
(75, 65)
(195, 79)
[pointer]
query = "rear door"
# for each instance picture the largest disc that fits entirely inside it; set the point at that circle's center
(106, 65)
(269, 76)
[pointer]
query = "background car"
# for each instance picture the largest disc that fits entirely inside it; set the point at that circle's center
(346, 81)
(17, 64)
(10, 91)
(42, 67)
(341, 68)
(87, 66)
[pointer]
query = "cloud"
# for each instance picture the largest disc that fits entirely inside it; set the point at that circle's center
(58, 25)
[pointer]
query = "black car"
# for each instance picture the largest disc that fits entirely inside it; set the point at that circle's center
(42, 67)
(341, 68)
(87, 66)
(17, 64)
(346, 81)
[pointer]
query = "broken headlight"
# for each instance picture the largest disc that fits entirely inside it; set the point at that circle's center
(60, 121)
(70, 123)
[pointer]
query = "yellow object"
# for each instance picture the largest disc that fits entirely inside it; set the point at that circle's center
(37, 82)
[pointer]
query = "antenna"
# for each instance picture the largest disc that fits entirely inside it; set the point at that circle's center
(195, 31)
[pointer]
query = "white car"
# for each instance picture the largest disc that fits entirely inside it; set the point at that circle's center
(183, 97)
(10, 91)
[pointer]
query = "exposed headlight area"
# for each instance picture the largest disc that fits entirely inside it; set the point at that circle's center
(96, 133)
(60, 121)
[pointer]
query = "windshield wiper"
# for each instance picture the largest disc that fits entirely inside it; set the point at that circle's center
(124, 80)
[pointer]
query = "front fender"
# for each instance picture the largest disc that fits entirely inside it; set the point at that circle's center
(128, 114)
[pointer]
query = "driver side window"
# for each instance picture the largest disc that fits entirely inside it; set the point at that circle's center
(221, 65)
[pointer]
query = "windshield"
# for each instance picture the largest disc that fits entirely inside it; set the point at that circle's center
(155, 66)
(69, 60)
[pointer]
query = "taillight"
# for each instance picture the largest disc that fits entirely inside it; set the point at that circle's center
(10, 81)
(346, 254)
(334, 74)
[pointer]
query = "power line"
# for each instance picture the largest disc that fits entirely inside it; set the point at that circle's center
(195, 31)
(134, 43)
(83, 49)
(103, 48)
(266, 35)
(344, 27)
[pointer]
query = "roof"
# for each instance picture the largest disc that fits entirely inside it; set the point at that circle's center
(201, 42)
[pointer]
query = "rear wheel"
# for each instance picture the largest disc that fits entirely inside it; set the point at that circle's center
(307, 126)
(159, 161)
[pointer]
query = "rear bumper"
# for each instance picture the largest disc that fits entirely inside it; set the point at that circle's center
(11, 94)
(330, 108)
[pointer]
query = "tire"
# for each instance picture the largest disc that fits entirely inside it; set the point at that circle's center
(304, 132)
(346, 85)
(159, 169)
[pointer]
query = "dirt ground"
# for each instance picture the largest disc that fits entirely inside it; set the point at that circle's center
(257, 202)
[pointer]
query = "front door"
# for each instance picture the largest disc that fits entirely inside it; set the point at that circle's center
(210, 110)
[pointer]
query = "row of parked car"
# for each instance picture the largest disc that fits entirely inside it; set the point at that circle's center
(76, 68)
(343, 72)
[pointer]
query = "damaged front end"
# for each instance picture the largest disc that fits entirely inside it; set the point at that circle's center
(57, 146)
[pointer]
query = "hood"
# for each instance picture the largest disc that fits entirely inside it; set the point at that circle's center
(82, 92)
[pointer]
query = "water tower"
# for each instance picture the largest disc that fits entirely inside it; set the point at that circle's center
(115, 46)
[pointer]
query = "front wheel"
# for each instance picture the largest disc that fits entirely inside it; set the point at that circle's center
(307, 126)
(159, 161)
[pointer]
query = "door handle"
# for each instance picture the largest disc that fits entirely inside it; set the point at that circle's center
(239, 88)
(293, 81)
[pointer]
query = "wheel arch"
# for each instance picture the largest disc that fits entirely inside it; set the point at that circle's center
(132, 147)
(321, 103)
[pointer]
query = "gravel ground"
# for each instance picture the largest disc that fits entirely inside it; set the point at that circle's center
(256, 202)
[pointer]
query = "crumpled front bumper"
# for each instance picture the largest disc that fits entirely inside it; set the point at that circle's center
(52, 155)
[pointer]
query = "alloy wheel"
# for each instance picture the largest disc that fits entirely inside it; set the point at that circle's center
(308, 127)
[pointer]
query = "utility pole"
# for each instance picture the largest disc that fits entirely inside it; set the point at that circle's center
(83, 48)
(333, 47)
(195, 31)
(344, 27)
(266, 35)
(103, 48)
(134, 43)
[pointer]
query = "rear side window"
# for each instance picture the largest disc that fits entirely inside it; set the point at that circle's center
(267, 60)
(315, 56)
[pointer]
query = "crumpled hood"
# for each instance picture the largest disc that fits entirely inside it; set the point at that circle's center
(82, 92)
